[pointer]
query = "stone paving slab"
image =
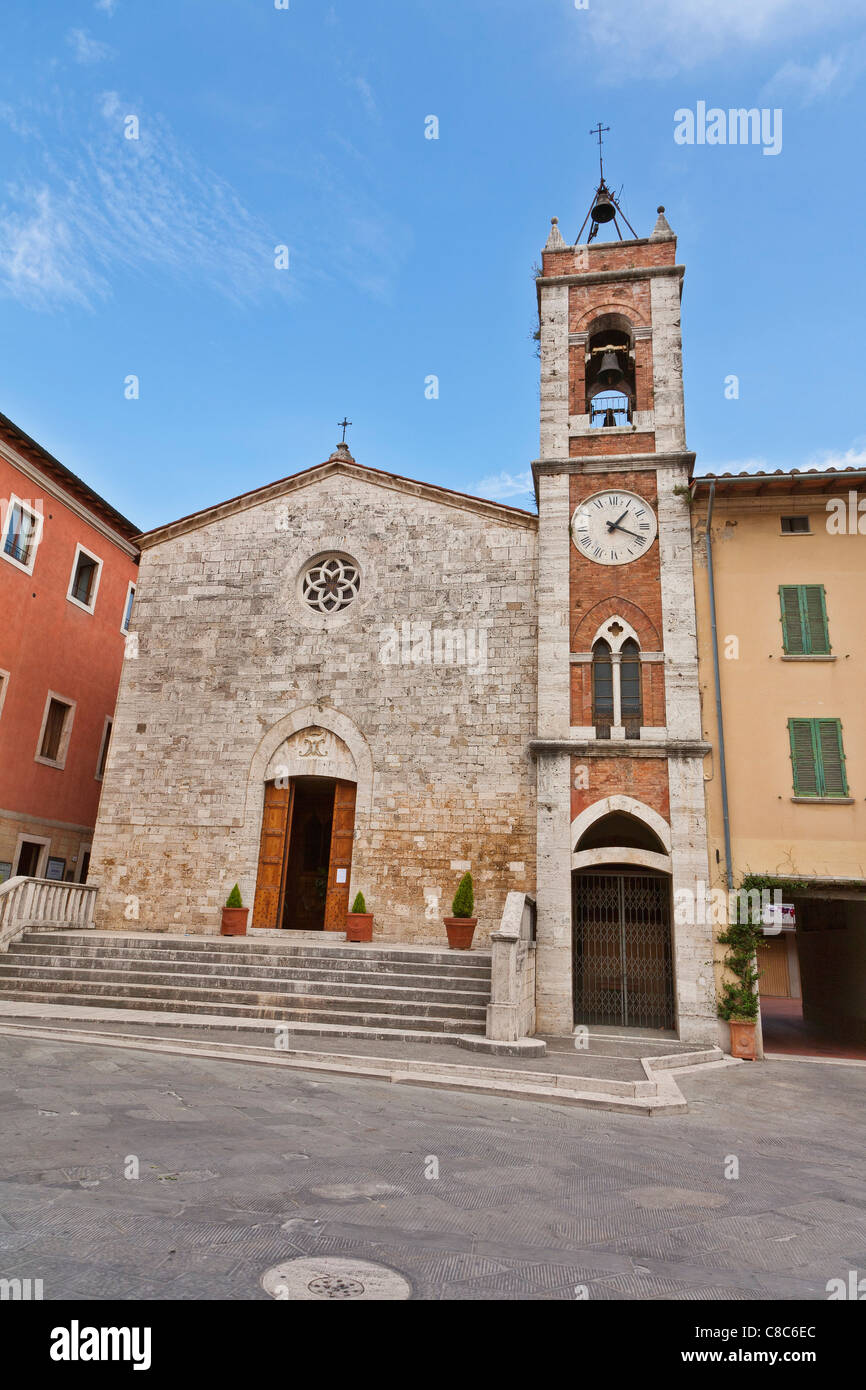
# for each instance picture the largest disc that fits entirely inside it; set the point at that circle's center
(468, 1197)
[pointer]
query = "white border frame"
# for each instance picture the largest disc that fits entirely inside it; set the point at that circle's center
(60, 761)
(12, 501)
(85, 607)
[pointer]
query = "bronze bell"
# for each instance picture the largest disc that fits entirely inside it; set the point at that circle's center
(609, 370)
(609, 420)
(603, 209)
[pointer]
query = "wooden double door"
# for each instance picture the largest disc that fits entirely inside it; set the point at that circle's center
(305, 857)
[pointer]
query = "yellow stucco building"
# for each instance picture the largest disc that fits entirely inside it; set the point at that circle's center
(780, 570)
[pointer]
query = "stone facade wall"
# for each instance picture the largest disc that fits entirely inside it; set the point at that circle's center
(232, 665)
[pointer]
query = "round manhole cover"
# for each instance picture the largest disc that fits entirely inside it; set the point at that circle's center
(332, 1276)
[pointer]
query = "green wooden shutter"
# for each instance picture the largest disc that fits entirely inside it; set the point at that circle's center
(814, 615)
(828, 737)
(793, 636)
(803, 758)
(804, 620)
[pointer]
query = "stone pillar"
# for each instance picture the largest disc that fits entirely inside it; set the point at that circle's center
(553, 994)
(693, 940)
(553, 894)
(553, 318)
(694, 983)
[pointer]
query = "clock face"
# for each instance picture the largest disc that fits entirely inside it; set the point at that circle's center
(614, 528)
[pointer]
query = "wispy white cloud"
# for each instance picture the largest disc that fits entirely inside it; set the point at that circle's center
(804, 82)
(365, 91)
(834, 458)
(825, 458)
(107, 6)
(500, 486)
(112, 204)
(667, 37)
(830, 75)
(88, 50)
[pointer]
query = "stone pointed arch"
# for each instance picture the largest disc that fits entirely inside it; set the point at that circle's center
(630, 806)
(614, 606)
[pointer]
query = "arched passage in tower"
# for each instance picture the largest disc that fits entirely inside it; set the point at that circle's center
(622, 947)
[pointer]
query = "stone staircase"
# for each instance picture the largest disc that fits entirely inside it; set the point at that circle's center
(337, 986)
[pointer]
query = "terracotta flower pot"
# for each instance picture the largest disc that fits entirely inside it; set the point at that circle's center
(744, 1040)
(359, 926)
(234, 921)
(460, 932)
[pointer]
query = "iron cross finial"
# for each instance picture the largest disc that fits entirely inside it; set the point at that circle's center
(599, 130)
(344, 425)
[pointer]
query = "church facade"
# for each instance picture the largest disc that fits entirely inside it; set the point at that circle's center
(332, 689)
(352, 681)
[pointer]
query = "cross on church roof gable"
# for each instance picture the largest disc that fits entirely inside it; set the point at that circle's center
(340, 462)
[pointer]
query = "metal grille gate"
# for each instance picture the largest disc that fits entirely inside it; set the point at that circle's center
(623, 968)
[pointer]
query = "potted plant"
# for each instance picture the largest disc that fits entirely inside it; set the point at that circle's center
(234, 918)
(460, 926)
(359, 922)
(739, 1003)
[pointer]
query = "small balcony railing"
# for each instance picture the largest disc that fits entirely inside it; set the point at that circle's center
(610, 409)
(19, 552)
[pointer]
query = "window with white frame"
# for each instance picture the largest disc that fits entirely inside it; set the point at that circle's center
(84, 580)
(4, 686)
(22, 531)
(127, 609)
(55, 731)
(103, 749)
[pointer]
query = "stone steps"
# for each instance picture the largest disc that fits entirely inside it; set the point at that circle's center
(240, 947)
(338, 984)
(277, 980)
(339, 967)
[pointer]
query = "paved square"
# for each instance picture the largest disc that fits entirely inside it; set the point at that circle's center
(242, 1168)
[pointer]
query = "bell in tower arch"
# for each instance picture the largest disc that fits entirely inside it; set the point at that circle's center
(610, 369)
(603, 208)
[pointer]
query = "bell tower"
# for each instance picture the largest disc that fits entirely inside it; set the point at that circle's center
(621, 819)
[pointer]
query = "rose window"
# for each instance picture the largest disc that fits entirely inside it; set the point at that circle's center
(330, 585)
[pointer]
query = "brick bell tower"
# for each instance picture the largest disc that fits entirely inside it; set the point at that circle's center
(621, 818)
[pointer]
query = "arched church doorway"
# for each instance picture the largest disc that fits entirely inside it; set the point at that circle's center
(621, 927)
(305, 856)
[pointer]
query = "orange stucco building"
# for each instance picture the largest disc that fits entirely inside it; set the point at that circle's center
(68, 567)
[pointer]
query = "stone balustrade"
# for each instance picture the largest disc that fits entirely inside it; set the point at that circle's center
(43, 902)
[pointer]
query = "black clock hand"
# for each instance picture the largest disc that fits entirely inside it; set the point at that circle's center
(616, 527)
(612, 525)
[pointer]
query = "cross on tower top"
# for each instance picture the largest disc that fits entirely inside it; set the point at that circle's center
(600, 130)
(605, 205)
(344, 425)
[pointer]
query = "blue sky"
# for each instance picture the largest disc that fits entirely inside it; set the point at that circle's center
(305, 127)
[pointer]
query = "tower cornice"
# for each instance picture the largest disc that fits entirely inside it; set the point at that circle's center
(615, 463)
(604, 277)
